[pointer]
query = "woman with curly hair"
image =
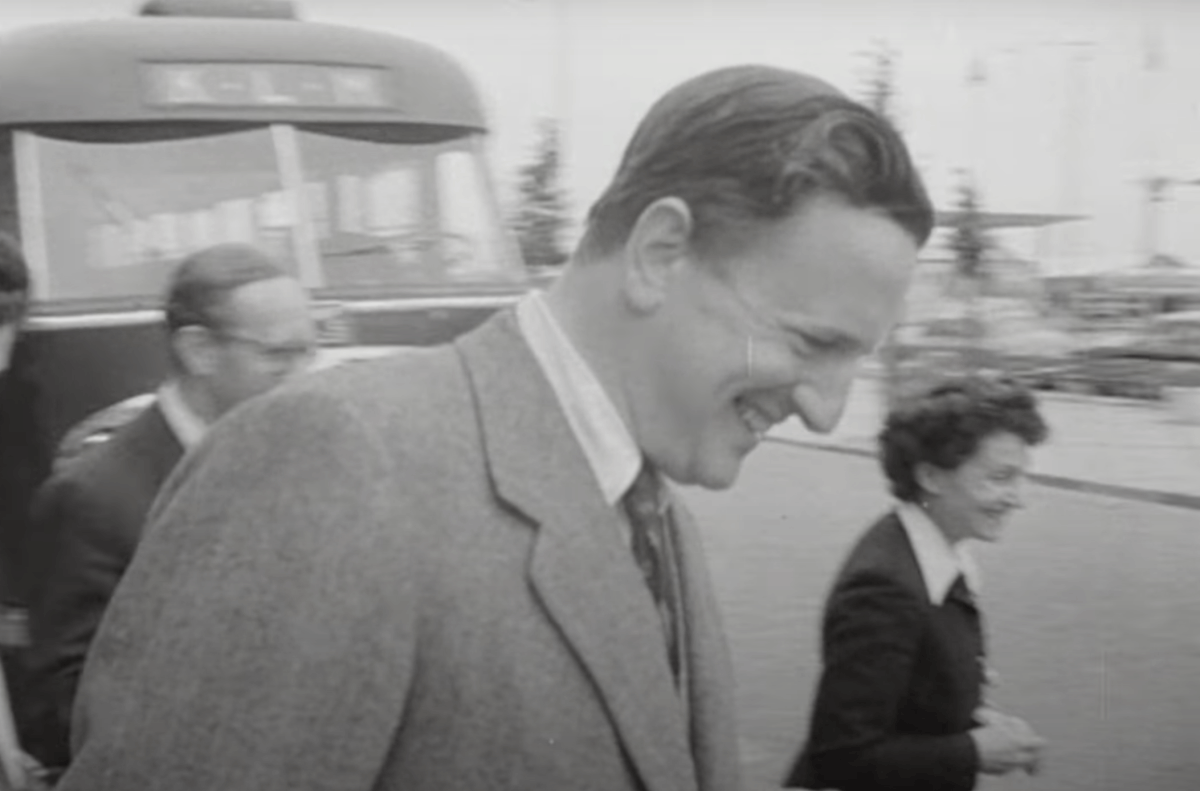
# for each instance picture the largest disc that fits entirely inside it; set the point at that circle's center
(900, 706)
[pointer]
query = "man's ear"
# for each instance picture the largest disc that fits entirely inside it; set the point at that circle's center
(195, 349)
(658, 246)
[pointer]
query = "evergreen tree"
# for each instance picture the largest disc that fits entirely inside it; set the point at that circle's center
(879, 93)
(970, 243)
(880, 84)
(541, 217)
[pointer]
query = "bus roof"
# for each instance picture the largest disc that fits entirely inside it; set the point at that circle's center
(104, 72)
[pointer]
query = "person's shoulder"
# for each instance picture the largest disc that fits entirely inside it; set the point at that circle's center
(118, 454)
(417, 373)
(88, 490)
(97, 465)
(408, 395)
(881, 560)
(879, 545)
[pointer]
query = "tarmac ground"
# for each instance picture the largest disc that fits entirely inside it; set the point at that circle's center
(1093, 612)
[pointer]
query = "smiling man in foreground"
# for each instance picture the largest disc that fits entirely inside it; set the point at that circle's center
(460, 569)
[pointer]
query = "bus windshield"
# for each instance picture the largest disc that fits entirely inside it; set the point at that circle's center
(350, 214)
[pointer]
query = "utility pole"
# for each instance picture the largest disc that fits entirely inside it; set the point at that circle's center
(1155, 183)
(562, 69)
(1070, 250)
(977, 127)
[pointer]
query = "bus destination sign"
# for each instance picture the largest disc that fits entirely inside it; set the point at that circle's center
(297, 85)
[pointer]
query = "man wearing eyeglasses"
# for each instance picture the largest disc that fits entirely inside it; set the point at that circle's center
(237, 325)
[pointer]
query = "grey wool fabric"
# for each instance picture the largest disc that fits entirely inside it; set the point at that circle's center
(400, 575)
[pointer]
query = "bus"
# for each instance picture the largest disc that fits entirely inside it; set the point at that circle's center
(356, 157)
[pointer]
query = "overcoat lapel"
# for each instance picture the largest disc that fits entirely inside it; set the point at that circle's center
(583, 575)
(710, 672)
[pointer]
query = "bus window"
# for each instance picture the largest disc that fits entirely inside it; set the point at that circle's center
(118, 216)
(472, 240)
(402, 214)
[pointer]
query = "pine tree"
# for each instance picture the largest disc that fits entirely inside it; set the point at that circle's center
(880, 88)
(970, 244)
(969, 240)
(880, 95)
(541, 217)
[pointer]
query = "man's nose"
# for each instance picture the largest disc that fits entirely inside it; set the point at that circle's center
(821, 403)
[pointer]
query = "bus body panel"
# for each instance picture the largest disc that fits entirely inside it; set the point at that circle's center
(76, 372)
(51, 74)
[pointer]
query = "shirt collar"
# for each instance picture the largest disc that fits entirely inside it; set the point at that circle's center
(939, 560)
(185, 424)
(610, 449)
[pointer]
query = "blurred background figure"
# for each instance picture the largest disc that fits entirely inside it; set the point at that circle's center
(19, 469)
(238, 325)
(900, 703)
(20, 464)
(14, 296)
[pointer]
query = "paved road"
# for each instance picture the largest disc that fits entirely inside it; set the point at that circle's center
(1092, 603)
(1110, 442)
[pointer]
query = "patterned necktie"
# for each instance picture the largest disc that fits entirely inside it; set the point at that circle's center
(649, 512)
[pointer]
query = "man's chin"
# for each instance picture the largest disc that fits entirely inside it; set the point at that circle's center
(718, 479)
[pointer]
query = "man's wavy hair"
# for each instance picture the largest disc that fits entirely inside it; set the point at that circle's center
(945, 425)
(747, 145)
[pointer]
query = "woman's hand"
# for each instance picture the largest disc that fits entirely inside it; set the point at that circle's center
(1005, 743)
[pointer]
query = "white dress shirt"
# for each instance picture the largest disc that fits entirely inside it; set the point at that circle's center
(610, 449)
(940, 561)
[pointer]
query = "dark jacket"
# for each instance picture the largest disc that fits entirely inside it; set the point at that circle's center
(88, 519)
(23, 466)
(902, 678)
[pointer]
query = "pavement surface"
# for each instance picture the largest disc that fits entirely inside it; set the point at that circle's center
(1093, 612)
(1142, 450)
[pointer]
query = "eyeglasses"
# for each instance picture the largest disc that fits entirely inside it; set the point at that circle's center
(281, 354)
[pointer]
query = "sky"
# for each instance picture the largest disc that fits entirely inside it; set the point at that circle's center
(1078, 102)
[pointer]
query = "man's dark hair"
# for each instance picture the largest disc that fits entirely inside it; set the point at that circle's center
(748, 144)
(14, 280)
(945, 425)
(200, 286)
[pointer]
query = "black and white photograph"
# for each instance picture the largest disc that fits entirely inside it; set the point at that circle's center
(604, 395)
